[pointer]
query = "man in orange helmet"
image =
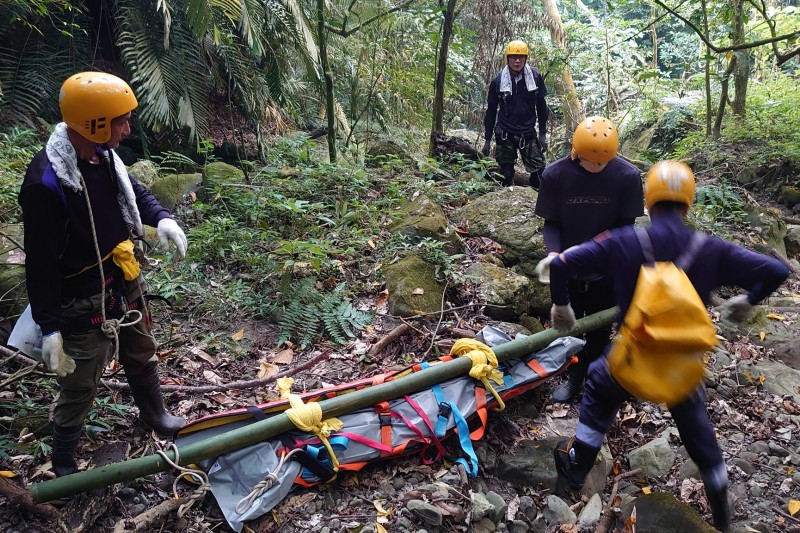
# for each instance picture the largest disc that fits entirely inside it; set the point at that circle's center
(519, 91)
(619, 255)
(81, 212)
(581, 195)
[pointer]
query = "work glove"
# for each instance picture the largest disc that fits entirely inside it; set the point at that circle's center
(168, 230)
(735, 310)
(542, 270)
(487, 146)
(562, 317)
(54, 357)
(543, 142)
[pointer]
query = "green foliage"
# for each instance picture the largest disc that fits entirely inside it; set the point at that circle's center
(765, 140)
(717, 206)
(308, 313)
(103, 415)
(17, 148)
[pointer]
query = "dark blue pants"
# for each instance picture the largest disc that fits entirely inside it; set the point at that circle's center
(602, 396)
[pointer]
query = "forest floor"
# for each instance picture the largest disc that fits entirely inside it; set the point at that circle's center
(378, 496)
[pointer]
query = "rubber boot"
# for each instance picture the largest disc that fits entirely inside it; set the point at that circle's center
(535, 181)
(65, 442)
(146, 392)
(574, 460)
(508, 174)
(720, 508)
(565, 392)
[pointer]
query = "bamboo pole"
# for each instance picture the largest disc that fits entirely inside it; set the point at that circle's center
(259, 431)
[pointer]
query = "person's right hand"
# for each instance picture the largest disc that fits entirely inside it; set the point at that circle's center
(735, 310)
(54, 357)
(487, 147)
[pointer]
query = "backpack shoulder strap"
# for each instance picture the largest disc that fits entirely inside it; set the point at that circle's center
(646, 244)
(685, 260)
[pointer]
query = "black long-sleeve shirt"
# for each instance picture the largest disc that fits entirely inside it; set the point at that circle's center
(58, 235)
(519, 111)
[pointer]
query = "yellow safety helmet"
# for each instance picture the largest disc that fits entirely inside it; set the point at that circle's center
(669, 181)
(516, 48)
(90, 100)
(595, 140)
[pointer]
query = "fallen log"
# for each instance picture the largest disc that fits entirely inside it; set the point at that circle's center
(280, 423)
(19, 497)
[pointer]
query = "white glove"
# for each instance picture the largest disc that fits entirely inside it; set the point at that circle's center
(562, 317)
(168, 230)
(543, 269)
(736, 309)
(54, 357)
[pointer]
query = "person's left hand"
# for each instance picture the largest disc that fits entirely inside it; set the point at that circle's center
(168, 230)
(562, 317)
(543, 142)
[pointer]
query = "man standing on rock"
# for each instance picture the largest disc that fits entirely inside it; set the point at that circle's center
(519, 92)
(582, 195)
(618, 256)
(81, 211)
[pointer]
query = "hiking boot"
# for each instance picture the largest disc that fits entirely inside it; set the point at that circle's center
(146, 392)
(567, 391)
(65, 442)
(720, 508)
(574, 460)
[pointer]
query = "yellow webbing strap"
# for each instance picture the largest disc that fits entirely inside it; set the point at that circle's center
(308, 417)
(484, 365)
(124, 258)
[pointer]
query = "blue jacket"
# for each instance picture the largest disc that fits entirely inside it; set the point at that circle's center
(617, 256)
(59, 242)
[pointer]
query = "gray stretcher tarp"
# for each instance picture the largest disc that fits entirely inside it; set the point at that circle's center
(233, 475)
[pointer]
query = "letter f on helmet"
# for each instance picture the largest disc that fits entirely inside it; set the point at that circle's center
(89, 101)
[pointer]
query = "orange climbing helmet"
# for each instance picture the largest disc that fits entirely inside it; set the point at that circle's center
(595, 140)
(669, 181)
(90, 100)
(516, 48)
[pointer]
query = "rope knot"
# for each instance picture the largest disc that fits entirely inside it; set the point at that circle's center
(484, 365)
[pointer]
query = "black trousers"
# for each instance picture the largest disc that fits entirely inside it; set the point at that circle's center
(589, 297)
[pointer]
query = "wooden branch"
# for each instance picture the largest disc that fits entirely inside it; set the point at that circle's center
(721, 49)
(150, 519)
(605, 524)
(791, 220)
(19, 497)
(354, 29)
(379, 346)
(236, 385)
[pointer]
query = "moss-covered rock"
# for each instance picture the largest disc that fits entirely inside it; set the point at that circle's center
(501, 287)
(385, 151)
(790, 195)
(422, 218)
(12, 271)
(506, 216)
(792, 239)
(218, 173)
(144, 171)
(772, 228)
(172, 187)
(662, 512)
(413, 287)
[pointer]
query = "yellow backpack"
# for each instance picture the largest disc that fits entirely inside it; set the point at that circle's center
(658, 354)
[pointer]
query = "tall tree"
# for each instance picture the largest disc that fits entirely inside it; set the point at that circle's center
(441, 70)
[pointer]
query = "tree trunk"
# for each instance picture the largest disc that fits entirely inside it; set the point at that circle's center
(707, 72)
(328, 75)
(723, 98)
(741, 75)
(572, 106)
(441, 71)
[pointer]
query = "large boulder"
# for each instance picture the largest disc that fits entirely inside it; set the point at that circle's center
(790, 195)
(413, 287)
(662, 512)
(144, 171)
(170, 188)
(12, 271)
(386, 151)
(501, 287)
(422, 218)
(772, 228)
(778, 378)
(217, 174)
(792, 239)
(506, 216)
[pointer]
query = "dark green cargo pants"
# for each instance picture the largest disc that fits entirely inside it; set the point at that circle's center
(91, 351)
(506, 149)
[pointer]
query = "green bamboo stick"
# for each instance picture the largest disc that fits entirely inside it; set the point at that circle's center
(275, 425)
